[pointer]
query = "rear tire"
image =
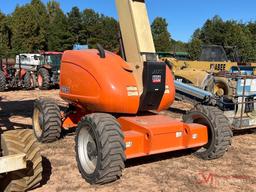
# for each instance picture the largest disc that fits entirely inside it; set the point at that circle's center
(22, 141)
(2, 81)
(219, 131)
(29, 82)
(100, 148)
(43, 79)
(46, 121)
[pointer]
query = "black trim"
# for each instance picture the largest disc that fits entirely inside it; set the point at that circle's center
(154, 77)
(101, 50)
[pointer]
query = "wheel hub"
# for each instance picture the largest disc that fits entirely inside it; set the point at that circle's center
(91, 150)
(87, 150)
(38, 122)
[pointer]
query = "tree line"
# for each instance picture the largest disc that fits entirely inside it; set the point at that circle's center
(36, 26)
(215, 31)
(226, 33)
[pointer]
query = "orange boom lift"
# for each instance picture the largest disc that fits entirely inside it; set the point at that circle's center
(110, 99)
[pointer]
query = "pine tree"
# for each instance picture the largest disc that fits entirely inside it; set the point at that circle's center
(74, 21)
(28, 27)
(107, 34)
(162, 37)
(215, 31)
(5, 35)
(90, 26)
(58, 36)
(97, 28)
(42, 19)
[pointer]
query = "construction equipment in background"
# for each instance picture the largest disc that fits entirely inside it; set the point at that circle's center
(30, 70)
(48, 71)
(110, 99)
(240, 109)
(13, 75)
(213, 60)
(20, 160)
(80, 47)
(181, 56)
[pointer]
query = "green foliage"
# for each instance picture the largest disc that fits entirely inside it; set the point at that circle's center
(252, 28)
(5, 34)
(28, 27)
(74, 20)
(225, 33)
(57, 34)
(97, 28)
(178, 46)
(161, 35)
(35, 26)
(194, 48)
(105, 34)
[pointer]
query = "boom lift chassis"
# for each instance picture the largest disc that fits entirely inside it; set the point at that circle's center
(109, 101)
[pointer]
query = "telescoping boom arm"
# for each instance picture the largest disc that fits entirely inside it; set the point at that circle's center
(136, 35)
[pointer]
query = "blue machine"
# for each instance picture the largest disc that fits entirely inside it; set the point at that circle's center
(240, 110)
(248, 86)
(243, 70)
(80, 47)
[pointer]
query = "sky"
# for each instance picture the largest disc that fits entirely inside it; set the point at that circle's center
(183, 16)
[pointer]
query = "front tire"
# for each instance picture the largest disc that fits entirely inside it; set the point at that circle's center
(219, 131)
(43, 79)
(28, 81)
(22, 141)
(46, 121)
(100, 148)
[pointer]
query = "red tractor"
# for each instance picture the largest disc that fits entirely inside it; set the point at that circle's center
(49, 70)
(12, 75)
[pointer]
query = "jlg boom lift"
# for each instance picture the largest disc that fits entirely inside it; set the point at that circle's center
(110, 99)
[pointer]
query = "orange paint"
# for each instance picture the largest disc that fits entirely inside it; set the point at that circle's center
(147, 135)
(108, 85)
(97, 84)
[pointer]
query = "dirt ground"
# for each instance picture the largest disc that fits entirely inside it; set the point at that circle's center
(175, 171)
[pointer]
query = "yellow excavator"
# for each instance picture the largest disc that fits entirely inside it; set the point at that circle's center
(203, 73)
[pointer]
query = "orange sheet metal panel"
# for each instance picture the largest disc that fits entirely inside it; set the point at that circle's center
(98, 84)
(147, 135)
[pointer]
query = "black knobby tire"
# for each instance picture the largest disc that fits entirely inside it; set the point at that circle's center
(44, 73)
(219, 130)
(2, 81)
(28, 81)
(22, 141)
(110, 147)
(46, 121)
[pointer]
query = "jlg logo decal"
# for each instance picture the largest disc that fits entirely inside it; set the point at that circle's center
(156, 79)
